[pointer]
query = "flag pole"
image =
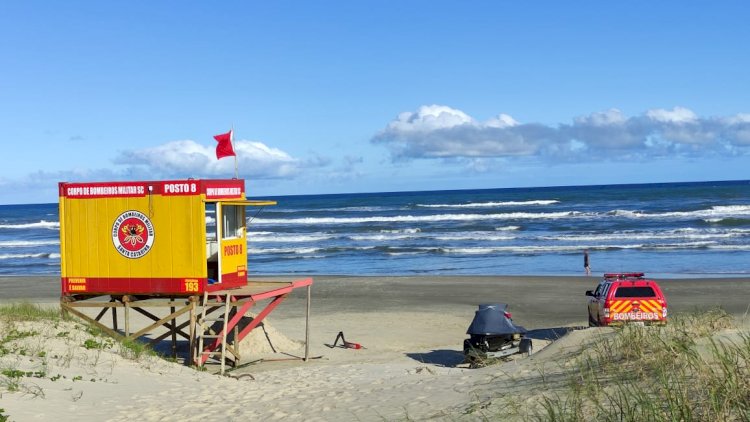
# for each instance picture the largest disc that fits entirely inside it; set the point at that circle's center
(231, 141)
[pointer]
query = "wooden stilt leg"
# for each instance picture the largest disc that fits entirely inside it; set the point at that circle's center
(101, 314)
(192, 353)
(174, 332)
(127, 318)
(168, 326)
(64, 314)
(236, 344)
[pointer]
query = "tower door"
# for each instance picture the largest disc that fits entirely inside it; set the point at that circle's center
(232, 245)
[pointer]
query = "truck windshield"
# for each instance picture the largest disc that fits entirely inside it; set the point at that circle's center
(643, 291)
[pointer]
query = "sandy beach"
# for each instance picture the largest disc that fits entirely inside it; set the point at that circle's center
(411, 328)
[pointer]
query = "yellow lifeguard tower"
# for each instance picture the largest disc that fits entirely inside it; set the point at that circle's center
(145, 242)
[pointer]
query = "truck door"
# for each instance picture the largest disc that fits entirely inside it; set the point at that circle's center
(596, 303)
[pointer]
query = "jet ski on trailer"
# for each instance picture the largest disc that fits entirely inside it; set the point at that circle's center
(492, 334)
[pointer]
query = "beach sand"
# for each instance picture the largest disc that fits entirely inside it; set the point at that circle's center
(412, 329)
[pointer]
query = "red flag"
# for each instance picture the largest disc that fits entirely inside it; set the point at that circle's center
(224, 148)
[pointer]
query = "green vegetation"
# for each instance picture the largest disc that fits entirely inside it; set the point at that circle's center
(684, 371)
(134, 350)
(28, 312)
(100, 344)
(17, 338)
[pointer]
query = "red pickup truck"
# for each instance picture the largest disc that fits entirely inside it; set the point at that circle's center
(626, 298)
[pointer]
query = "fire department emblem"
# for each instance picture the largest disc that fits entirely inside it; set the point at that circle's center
(133, 234)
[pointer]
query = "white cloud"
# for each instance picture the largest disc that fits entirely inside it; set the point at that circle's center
(171, 160)
(737, 128)
(441, 131)
(610, 117)
(676, 115)
(444, 132)
(738, 119)
(429, 118)
(190, 159)
(501, 121)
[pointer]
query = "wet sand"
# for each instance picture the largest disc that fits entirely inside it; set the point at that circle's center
(537, 301)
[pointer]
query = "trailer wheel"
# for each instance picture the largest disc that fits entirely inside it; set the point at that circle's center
(526, 347)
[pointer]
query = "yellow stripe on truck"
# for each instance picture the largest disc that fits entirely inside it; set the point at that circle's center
(648, 309)
(621, 306)
(651, 306)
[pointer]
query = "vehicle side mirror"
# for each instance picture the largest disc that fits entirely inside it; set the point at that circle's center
(589, 293)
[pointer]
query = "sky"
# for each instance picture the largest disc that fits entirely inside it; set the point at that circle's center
(373, 96)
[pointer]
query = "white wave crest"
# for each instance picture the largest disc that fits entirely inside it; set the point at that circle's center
(511, 249)
(405, 231)
(424, 218)
(686, 234)
(29, 255)
(507, 228)
(686, 245)
(715, 213)
(337, 210)
(479, 236)
(382, 237)
(288, 237)
(43, 224)
(730, 247)
(299, 251)
(731, 209)
(492, 204)
(27, 243)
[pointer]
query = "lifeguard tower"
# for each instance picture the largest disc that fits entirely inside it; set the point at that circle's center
(178, 244)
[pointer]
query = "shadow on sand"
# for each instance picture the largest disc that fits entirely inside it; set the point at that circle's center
(447, 358)
(451, 358)
(550, 334)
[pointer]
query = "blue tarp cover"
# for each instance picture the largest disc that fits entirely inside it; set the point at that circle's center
(490, 319)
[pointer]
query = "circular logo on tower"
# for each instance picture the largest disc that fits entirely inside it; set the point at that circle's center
(132, 234)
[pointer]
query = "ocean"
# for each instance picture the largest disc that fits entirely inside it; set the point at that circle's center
(665, 230)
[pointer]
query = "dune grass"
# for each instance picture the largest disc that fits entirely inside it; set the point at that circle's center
(25, 311)
(684, 371)
(29, 363)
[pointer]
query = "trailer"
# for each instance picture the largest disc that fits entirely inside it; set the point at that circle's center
(180, 244)
(493, 335)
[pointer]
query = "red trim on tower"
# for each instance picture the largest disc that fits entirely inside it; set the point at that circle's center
(180, 286)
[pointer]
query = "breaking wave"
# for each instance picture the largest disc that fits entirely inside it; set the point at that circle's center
(43, 224)
(474, 236)
(714, 213)
(492, 204)
(287, 237)
(27, 243)
(404, 231)
(489, 250)
(424, 218)
(687, 234)
(29, 255)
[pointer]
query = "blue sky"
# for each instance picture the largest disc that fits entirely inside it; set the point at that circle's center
(341, 96)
